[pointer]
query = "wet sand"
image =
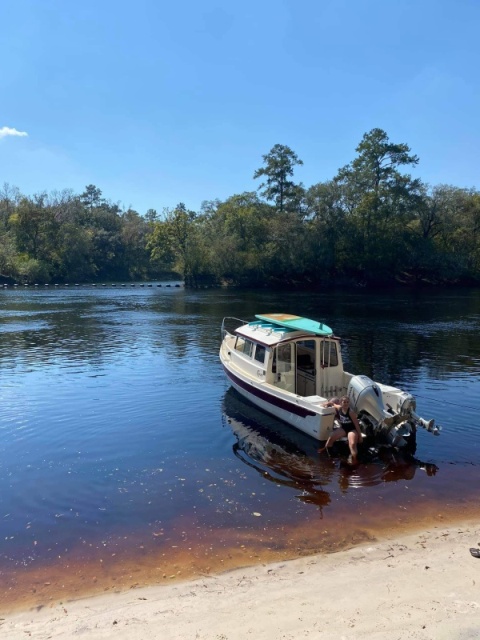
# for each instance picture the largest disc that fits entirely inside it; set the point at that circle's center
(402, 582)
(158, 558)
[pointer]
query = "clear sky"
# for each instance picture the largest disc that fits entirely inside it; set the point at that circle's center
(159, 102)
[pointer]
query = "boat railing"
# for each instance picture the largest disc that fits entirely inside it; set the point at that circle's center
(229, 324)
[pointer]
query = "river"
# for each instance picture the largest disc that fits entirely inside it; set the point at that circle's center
(126, 459)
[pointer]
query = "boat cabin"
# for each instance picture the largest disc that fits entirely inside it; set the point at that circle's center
(297, 361)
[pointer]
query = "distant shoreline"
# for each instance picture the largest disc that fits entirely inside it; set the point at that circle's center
(283, 285)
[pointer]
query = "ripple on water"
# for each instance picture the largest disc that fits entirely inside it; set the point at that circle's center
(121, 436)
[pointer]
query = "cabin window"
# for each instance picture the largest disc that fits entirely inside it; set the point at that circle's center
(328, 354)
(244, 346)
(306, 355)
(260, 353)
(282, 358)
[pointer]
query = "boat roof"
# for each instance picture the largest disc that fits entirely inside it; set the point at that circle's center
(297, 323)
(270, 332)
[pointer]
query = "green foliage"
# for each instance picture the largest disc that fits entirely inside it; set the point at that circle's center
(7, 253)
(74, 254)
(380, 202)
(31, 270)
(372, 223)
(91, 198)
(279, 165)
(134, 232)
(176, 243)
(239, 232)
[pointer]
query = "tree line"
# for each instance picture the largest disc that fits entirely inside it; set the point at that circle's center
(371, 224)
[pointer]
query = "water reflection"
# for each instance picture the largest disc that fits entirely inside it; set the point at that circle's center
(389, 338)
(289, 458)
(380, 465)
(277, 452)
(112, 403)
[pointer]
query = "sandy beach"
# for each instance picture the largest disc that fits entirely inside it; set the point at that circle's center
(424, 586)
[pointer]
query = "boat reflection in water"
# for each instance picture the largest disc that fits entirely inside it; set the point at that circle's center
(278, 452)
(290, 458)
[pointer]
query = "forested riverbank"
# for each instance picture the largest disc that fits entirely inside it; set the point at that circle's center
(370, 224)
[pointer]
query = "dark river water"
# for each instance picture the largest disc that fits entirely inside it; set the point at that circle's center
(126, 459)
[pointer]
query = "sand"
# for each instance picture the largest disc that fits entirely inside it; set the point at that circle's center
(424, 586)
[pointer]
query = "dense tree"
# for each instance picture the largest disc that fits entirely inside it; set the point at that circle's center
(134, 232)
(381, 202)
(151, 215)
(7, 255)
(279, 166)
(33, 223)
(328, 229)
(372, 223)
(239, 229)
(91, 198)
(74, 254)
(9, 199)
(173, 241)
(458, 230)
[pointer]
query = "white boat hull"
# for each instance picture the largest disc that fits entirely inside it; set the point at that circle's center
(307, 416)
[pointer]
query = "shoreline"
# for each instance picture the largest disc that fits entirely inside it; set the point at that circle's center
(412, 585)
(108, 569)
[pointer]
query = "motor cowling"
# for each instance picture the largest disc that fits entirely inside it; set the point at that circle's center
(366, 397)
(398, 424)
(406, 404)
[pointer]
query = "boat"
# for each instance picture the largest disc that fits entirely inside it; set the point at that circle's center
(290, 367)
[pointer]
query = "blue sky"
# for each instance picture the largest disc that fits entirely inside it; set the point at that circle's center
(162, 102)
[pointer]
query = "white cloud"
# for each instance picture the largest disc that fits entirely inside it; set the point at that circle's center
(8, 131)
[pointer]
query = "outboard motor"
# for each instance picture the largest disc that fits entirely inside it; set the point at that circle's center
(396, 422)
(407, 406)
(406, 403)
(366, 399)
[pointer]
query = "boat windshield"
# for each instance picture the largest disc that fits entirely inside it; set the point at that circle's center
(260, 353)
(328, 354)
(244, 346)
(282, 358)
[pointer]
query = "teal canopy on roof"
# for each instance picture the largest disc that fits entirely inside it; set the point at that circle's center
(296, 323)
